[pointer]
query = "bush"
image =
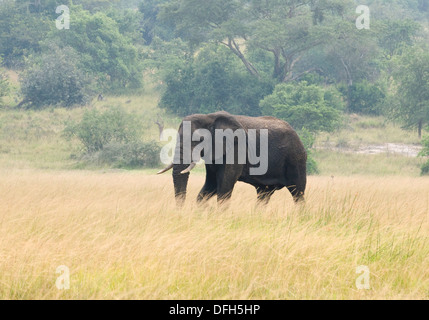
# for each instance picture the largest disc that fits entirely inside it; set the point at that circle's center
(98, 129)
(305, 106)
(113, 137)
(127, 155)
(425, 169)
(55, 80)
(364, 98)
(425, 153)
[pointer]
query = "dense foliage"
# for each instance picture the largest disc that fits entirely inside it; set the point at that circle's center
(213, 81)
(105, 52)
(305, 106)
(113, 137)
(364, 97)
(97, 129)
(55, 78)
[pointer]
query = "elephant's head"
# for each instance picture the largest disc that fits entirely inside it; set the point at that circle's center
(188, 152)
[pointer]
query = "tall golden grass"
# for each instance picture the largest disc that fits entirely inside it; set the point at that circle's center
(122, 237)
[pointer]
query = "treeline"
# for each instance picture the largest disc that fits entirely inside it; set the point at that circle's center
(305, 61)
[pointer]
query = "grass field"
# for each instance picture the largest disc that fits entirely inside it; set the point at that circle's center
(121, 236)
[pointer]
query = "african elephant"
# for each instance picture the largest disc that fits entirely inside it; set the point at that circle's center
(286, 157)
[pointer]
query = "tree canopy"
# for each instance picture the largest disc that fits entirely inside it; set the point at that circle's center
(231, 54)
(411, 85)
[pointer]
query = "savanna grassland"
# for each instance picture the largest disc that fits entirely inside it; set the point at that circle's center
(121, 236)
(86, 88)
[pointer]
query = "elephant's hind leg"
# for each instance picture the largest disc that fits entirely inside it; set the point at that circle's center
(296, 180)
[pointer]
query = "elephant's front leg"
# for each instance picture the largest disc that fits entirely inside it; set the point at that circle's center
(226, 177)
(264, 193)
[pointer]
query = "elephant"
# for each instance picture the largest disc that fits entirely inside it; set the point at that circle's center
(286, 158)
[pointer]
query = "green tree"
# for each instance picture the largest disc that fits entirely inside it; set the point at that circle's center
(104, 51)
(165, 57)
(20, 32)
(48, 7)
(129, 24)
(352, 52)
(286, 30)
(410, 86)
(55, 78)
(152, 26)
(305, 106)
(397, 34)
(214, 80)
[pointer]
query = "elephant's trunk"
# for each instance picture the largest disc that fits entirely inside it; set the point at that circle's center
(180, 181)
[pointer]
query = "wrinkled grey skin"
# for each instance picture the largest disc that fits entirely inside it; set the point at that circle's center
(286, 160)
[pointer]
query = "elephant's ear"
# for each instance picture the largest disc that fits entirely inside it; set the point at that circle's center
(225, 123)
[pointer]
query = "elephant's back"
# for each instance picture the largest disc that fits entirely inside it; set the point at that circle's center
(265, 122)
(278, 130)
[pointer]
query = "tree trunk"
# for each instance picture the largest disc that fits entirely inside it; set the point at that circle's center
(278, 70)
(349, 83)
(234, 47)
(420, 128)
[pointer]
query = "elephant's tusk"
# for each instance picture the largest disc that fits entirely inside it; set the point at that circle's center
(169, 167)
(188, 169)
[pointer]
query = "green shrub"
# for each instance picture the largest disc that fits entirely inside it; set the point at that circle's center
(305, 106)
(364, 98)
(425, 169)
(97, 129)
(425, 153)
(113, 137)
(127, 155)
